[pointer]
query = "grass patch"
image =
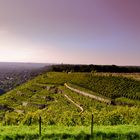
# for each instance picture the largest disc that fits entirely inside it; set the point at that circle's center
(125, 132)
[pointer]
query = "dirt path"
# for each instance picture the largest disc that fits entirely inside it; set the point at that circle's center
(88, 94)
(81, 108)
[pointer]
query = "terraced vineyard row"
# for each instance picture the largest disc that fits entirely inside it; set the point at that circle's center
(45, 96)
(109, 86)
(98, 98)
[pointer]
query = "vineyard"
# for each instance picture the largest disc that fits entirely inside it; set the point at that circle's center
(61, 107)
(46, 96)
(109, 86)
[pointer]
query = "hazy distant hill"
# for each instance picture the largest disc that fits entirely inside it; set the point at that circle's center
(14, 74)
(16, 65)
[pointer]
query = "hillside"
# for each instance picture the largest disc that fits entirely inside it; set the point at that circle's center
(15, 74)
(47, 96)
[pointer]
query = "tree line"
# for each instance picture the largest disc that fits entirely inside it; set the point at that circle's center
(95, 68)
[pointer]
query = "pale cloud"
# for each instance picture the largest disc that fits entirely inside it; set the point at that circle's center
(14, 48)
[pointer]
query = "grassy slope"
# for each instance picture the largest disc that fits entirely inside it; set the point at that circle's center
(48, 90)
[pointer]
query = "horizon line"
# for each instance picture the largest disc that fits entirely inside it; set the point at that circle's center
(67, 63)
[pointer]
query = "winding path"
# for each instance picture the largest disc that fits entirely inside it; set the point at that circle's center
(81, 108)
(88, 95)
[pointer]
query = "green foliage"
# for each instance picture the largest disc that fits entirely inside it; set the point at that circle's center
(109, 86)
(44, 96)
(123, 100)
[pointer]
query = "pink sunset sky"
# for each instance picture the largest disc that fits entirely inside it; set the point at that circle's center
(70, 31)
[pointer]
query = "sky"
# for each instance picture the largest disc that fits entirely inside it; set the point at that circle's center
(70, 31)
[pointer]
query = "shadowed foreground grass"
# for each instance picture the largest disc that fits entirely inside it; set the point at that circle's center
(22, 132)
